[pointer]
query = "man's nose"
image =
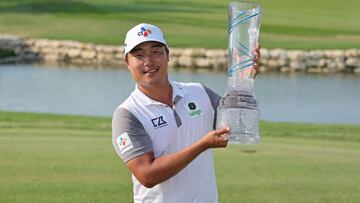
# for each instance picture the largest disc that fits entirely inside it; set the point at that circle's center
(147, 60)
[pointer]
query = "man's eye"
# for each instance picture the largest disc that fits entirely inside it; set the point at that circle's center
(157, 51)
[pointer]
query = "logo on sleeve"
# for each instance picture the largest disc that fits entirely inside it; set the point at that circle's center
(193, 109)
(124, 142)
(159, 122)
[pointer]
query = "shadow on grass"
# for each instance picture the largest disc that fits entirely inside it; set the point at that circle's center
(249, 151)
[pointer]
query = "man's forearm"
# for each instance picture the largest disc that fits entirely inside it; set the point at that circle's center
(164, 167)
(151, 171)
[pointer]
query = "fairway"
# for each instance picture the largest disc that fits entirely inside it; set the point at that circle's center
(52, 158)
(290, 24)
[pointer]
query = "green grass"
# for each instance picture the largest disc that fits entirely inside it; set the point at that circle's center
(290, 24)
(56, 158)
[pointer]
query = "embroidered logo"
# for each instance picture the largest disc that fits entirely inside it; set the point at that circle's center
(192, 105)
(144, 32)
(124, 142)
(159, 122)
(193, 109)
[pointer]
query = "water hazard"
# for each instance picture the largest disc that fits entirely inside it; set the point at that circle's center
(333, 98)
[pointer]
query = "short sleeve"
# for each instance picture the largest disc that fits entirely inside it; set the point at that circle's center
(129, 137)
(214, 99)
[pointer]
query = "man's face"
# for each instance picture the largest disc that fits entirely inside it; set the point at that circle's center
(147, 63)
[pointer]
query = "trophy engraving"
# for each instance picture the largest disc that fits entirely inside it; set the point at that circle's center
(238, 109)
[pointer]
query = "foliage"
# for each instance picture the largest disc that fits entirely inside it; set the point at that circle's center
(6, 53)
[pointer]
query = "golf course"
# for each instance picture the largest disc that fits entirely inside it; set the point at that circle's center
(290, 24)
(70, 159)
(57, 158)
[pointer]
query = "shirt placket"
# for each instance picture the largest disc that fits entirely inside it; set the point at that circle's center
(176, 115)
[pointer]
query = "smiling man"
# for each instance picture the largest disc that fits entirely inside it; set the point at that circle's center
(163, 131)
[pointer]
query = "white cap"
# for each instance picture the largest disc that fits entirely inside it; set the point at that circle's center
(142, 32)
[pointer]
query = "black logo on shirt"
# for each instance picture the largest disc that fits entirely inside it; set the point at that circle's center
(158, 122)
(193, 109)
(192, 106)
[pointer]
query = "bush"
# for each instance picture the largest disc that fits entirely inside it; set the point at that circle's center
(6, 53)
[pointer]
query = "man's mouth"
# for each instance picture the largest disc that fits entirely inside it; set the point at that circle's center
(151, 70)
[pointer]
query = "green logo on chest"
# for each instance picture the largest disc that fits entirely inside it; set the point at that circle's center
(195, 113)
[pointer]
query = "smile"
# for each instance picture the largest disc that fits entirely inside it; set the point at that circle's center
(151, 70)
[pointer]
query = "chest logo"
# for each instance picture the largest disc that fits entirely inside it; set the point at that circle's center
(159, 122)
(193, 109)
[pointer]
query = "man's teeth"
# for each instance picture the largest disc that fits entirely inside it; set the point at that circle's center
(151, 71)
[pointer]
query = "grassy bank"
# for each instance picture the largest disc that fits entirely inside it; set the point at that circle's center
(53, 158)
(197, 23)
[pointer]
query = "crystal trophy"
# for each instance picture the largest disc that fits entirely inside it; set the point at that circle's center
(238, 109)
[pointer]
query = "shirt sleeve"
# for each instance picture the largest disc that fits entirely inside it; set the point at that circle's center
(214, 99)
(129, 137)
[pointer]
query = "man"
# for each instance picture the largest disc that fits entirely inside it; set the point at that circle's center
(163, 130)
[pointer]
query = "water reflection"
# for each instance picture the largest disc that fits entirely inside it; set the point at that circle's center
(332, 98)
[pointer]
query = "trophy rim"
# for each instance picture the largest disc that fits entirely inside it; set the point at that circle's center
(245, 5)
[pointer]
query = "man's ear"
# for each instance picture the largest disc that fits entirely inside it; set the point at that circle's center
(167, 53)
(126, 60)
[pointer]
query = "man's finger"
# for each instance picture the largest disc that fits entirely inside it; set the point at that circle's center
(222, 131)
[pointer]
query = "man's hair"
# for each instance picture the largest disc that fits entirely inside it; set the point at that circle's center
(161, 44)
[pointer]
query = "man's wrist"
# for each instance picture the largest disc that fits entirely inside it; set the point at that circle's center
(202, 145)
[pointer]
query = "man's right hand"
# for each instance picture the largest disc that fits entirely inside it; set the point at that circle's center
(216, 138)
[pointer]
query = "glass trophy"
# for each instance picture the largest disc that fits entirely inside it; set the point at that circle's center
(238, 109)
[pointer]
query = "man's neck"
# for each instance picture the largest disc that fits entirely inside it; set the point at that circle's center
(161, 93)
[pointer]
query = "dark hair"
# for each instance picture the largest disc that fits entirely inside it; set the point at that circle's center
(163, 45)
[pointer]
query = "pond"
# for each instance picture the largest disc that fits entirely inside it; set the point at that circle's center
(305, 98)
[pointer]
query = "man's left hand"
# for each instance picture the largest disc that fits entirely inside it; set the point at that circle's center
(256, 66)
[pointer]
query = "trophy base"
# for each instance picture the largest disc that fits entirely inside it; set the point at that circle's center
(243, 122)
(244, 139)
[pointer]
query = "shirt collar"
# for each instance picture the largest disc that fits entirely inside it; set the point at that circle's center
(178, 93)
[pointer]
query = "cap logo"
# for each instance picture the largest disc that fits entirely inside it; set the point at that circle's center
(144, 32)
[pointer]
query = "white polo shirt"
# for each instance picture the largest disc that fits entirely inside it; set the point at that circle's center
(141, 124)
